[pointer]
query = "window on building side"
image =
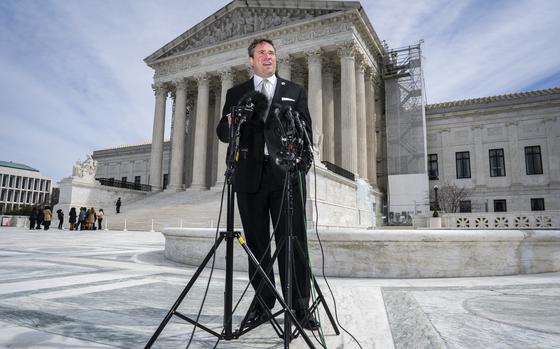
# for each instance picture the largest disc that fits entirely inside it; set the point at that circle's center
(433, 167)
(497, 163)
(465, 206)
(165, 180)
(533, 162)
(3, 195)
(4, 180)
(500, 205)
(463, 164)
(18, 181)
(11, 181)
(123, 179)
(137, 179)
(537, 204)
(30, 185)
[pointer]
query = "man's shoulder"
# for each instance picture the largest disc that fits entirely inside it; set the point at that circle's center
(243, 86)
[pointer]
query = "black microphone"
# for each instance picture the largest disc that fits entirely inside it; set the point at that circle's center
(290, 116)
(256, 101)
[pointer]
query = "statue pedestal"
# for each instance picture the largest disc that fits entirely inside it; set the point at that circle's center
(87, 192)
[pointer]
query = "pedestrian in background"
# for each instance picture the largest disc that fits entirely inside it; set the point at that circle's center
(100, 216)
(60, 218)
(82, 218)
(32, 218)
(40, 215)
(118, 205)
(91, 218)
(47, 217)
(72, 219)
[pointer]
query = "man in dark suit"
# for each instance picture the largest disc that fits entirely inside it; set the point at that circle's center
(259, 179)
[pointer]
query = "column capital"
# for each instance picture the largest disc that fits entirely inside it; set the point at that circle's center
(361, 65)
(347, 50)
(226, 75)
(180, 84)
(160, 89)
(314, 55)
(202, 79)
(284, 59)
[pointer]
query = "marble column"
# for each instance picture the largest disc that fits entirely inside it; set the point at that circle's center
(481, 169)
(552, 128)
(226, 78)
(361, 131)
(315, 101)
(516, 157)
(328, 112)
(371, 134)
(178, 140)
(349, 160)
(380, 151)
(447, 171)
(284, 68)
(156, 156)
(201, 134)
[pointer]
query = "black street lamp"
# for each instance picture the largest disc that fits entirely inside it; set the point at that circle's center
(437, 201)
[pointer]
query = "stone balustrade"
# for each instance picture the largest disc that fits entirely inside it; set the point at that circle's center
(481, 220)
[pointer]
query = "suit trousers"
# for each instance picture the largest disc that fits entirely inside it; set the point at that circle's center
(255, 210)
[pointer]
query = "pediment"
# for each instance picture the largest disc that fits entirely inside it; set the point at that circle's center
(242, 18)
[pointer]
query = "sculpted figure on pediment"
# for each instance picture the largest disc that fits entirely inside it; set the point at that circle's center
(243, 21)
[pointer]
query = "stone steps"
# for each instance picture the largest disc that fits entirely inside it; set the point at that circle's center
(195, 209)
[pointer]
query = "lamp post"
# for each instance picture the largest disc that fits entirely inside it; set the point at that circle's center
(437, 201)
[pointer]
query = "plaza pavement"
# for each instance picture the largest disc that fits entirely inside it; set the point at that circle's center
(111, 289)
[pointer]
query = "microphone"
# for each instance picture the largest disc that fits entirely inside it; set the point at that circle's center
(256, 101)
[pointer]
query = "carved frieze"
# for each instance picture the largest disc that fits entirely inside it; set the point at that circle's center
(243, 21)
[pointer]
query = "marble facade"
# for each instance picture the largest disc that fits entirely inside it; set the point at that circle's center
(509, 123)
(319, 45)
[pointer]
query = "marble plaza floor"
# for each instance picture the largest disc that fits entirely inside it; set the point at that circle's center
(99, 289)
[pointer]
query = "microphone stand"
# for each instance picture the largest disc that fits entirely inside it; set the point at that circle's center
(240, 115)
(290, 139)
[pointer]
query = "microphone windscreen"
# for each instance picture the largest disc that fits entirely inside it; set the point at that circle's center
(260, 102)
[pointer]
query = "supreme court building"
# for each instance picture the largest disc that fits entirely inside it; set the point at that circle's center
(371, 124)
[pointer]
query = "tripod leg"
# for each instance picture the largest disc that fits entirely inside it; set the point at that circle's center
(289, 312)
(184, 293)
(321, 297)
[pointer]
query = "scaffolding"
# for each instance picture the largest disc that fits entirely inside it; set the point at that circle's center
(406, 134)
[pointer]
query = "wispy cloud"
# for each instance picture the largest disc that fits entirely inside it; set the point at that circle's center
(74, 80)
(476, 48)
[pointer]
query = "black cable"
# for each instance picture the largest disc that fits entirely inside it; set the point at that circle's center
(323, 260)
(211, 268)
(269, 243)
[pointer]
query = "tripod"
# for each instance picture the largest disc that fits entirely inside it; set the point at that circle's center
(229, 235)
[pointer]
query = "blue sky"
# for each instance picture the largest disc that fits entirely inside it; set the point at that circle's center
(73, 78)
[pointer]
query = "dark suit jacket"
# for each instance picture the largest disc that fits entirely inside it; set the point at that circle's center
(255, 132)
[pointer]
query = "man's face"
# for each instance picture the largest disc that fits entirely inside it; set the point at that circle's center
(263, 61)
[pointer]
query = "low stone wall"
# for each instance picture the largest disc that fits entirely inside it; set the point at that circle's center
(399, 253)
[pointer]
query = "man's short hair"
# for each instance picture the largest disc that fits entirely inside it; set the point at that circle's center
(258, 41)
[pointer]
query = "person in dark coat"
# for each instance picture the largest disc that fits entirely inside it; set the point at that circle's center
(32, 218)
(60, 215)
(118, 205)
(259, 179)
(72, 220)
(40, 216)
(82, 218)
